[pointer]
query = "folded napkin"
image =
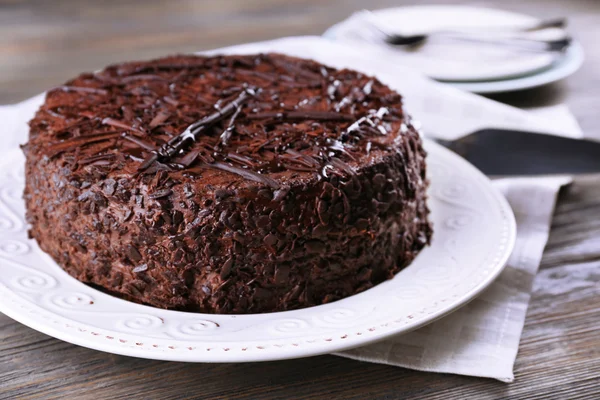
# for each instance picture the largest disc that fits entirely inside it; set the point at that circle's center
(482, 338)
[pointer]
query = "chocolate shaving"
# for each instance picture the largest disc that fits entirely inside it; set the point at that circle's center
(203, 100)
(245, 173)
(88, 114)
(339, 164)
(143, 144)
(71, 144)
(295, 70)
(94, 159)
(156, 167)
(54, 114)
(226, 135)
(302, 115)
(160, 193)
(280, 193)
(369, 129)
(128, 113)
(120, 124)
(188, 158)
(258, 74)
(171, 101)
(305, 159)
(134, 69)
(241, 159)
(67, 129)
(145, 77)
(309, 84)
(293, 167)
(339, 146)
(161, 117)
(83, 89)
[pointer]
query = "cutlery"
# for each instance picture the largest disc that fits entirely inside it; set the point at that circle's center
(506, 152)
(557, 45)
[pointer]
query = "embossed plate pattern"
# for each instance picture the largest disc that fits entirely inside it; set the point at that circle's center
(474, 235)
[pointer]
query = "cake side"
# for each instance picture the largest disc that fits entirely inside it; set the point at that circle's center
(316, 193)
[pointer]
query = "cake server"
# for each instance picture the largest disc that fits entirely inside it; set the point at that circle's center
(506, 152)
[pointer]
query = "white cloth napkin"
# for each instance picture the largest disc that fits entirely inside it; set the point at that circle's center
(482, 338)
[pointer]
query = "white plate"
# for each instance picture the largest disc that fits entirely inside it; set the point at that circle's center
(474, 235)
(450, 60)
(562, 68)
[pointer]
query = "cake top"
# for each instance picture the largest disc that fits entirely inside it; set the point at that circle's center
(265, 119)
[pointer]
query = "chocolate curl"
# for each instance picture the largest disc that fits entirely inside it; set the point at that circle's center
(226, 135)
(181, 141)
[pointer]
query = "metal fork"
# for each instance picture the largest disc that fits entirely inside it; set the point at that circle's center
(397, 39)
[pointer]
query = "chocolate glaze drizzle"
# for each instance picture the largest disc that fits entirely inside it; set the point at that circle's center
(247, 115)
(179, 142)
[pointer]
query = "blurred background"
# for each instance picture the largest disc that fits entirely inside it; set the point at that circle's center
(44, 43)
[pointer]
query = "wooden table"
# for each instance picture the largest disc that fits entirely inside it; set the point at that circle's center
(44, 43)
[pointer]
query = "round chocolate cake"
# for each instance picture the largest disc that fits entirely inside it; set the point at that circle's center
(227, 184)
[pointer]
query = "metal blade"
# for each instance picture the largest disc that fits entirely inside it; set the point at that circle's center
(500, 152)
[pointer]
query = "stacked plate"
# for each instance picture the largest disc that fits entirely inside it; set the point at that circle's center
(472, 66)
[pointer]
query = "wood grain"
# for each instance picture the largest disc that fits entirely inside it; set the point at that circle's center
(44, 43)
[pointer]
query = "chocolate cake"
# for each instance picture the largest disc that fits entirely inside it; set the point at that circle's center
(227, 184)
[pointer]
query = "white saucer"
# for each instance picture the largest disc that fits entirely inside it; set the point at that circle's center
(473, 67)
(561, 69)
(474, 236)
